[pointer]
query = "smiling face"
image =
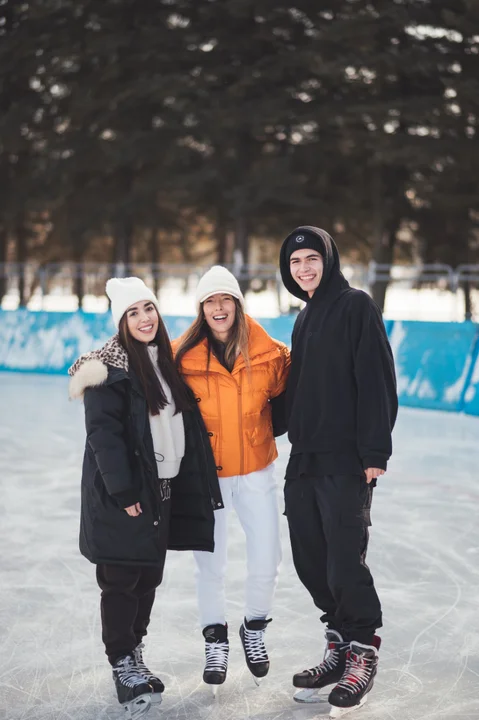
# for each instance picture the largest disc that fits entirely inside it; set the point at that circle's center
(142, 321)
(306, 267)
(220, 313)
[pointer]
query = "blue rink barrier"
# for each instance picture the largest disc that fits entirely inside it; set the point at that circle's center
(437, 363)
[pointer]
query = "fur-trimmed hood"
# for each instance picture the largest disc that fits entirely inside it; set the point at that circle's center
(91, 369)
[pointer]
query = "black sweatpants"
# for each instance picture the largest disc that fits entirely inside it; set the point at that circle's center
(127, 596)
(128, 591)
(328, 520)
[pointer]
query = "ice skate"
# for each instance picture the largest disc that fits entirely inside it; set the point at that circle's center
(358, 678)
(328, 672)
(155, 682)
(217, 652)
(252, 636)
(134, 693)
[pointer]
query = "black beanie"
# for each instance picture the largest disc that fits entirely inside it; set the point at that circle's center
(301, 240)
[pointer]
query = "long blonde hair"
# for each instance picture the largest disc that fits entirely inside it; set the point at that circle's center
(237, 341)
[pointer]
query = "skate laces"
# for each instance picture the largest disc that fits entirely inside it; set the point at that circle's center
(127, 672)
(140, 663)
(216, 656)
(358, 671)
(329, 661)
(255, 647)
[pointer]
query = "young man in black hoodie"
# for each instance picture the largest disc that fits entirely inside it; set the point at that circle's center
(341, 405)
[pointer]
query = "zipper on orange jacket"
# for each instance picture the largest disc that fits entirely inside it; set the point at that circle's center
(220, 424)
(240, 424)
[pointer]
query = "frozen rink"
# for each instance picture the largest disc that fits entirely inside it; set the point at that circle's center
(424, 554)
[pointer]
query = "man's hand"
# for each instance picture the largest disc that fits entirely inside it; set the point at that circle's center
(372, 473)
(134, 510)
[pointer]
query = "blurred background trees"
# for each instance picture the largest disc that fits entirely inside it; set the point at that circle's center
(205, 130)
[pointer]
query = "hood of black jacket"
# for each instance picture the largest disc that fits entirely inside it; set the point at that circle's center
(332, 280)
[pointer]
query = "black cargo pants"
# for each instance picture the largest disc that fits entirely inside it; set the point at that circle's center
(328, 520)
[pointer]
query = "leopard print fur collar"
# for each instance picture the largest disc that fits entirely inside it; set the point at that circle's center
(91, 369)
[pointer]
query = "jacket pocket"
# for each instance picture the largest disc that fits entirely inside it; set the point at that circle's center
(261, 433)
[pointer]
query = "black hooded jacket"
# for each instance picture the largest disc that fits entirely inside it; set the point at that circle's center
(341, 400)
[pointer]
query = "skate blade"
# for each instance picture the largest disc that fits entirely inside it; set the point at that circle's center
(156, 698)
(338, 712)
(257, 681)
(214, 691)
(308, 695)
(137, 708)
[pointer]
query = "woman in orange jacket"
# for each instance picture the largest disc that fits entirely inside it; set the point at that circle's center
(234, 369)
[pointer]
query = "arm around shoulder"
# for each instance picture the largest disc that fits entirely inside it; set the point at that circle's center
(283, 364)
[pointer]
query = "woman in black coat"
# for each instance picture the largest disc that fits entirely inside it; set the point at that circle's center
(149, 478)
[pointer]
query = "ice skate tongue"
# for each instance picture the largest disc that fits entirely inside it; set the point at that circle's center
(361, 648)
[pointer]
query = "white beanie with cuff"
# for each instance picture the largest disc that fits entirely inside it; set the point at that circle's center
(125, 292)
(217, 280)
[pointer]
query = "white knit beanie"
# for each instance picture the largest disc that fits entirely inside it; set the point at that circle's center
(124, 292)
(217, 280)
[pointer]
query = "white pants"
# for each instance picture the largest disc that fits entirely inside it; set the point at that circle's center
(254, 498)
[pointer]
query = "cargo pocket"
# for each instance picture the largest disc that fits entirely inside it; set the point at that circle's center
(356, 507)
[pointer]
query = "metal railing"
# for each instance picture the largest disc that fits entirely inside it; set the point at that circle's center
(88, 278)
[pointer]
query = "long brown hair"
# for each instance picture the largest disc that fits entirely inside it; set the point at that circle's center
(141, 364)
(199, 330)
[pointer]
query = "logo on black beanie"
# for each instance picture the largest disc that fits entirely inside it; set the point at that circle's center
(300, 238)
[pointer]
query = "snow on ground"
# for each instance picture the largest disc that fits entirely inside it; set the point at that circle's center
(424, 554)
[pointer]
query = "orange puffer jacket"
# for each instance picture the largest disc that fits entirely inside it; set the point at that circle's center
(235, 405)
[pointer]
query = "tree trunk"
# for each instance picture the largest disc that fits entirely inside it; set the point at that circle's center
(468, 306)
(387, 218)
(123, 244)
(22, 243)
(241, 252)
(78, 243)
(3, 260)
(222, 238)
(154, 251)
(384, 255)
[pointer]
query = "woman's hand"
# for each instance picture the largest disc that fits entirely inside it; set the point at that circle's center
(134, 510)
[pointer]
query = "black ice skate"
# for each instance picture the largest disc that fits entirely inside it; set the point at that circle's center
(358, 678)
(328, 672)
(217, 651)
(252, 636)
(134, 693)
(153, 680)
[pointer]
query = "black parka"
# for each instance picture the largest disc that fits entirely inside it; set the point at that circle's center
(119, 457)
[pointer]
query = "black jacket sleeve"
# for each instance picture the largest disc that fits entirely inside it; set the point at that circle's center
(376, 384)
(105, 418)
(278, 414)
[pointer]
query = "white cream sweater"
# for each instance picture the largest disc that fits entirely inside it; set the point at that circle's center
(167, 429)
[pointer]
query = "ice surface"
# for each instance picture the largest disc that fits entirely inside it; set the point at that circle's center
(424, 554)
